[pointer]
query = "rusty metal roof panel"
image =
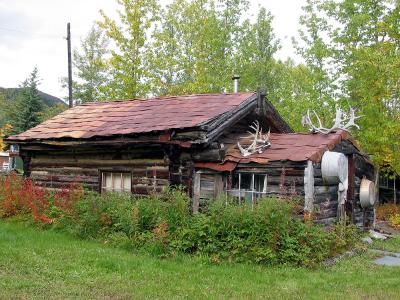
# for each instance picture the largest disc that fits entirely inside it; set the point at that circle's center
(287, 147)
(129, 117)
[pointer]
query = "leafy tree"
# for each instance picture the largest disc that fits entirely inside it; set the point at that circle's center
(362, 44)
(3, 108)
(129, 63)
(255, 61)
(316, 49)
(368, 44)
(193, 46)
(91, 68)
(25, 114)
(196, 45)
(3, 131)
(293, 87)
(52, 111)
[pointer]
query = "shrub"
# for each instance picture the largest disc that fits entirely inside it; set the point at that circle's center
(394, 220)
(385, 211)
(343, 236)
(98, 215)
(20, 196)
(268, 233)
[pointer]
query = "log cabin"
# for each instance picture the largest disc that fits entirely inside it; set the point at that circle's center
(197, 142)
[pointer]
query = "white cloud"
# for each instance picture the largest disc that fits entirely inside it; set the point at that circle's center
(32, 33)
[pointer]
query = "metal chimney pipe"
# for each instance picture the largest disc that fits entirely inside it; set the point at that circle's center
(235, 79)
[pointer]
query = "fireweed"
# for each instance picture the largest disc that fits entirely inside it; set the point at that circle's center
(20, 195)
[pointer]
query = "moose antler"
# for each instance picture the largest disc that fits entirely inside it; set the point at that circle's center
(259, 143)
(341, 121)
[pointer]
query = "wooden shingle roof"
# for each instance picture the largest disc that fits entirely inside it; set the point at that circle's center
(115, 118)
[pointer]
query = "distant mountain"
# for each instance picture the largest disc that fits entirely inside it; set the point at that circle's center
(10, 94)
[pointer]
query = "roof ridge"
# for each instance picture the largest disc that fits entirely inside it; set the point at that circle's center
(162, 98)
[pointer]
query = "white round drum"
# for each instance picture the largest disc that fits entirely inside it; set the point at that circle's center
(334, 167)
(367, 193)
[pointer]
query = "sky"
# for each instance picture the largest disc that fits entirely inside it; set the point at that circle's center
(32, 33)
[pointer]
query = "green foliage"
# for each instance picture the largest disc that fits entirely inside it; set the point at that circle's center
(343, 236)
(255, 62)
(190, 46)
(25, 114)
(3, 133)
(42, 264)
(354, 47)
(320, 79)
(130, 62)
(52, 111)
(385, 211)
(3, 109)
(91, 68)
(10, 98)
(268, 233)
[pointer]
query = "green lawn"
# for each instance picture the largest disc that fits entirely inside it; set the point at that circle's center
(392, 245)
(45, 264)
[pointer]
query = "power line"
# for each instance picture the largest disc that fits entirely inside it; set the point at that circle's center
(34, 35)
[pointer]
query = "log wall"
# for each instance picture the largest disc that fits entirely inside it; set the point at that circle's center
(326, 195)
(283, 178)
(325, 199)
(58, 169)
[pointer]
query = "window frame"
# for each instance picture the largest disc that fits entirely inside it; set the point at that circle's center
(103, 188)
(237, 193)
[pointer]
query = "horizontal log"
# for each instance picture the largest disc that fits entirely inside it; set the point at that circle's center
(331, 205)
(149, 181)
(160, 174)
(288, 180)
(145, 190)
(325, 189)
(211, 155)
(326, 213)
(325, 197)
(65, 170)
(272, 171)
(192, 135)
(51, 162)
(62, 185)
(277, 164)
(65, 178)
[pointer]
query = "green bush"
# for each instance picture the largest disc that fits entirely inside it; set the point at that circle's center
(97, 216)
(268, 233)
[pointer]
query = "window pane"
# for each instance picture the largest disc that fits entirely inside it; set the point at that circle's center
(117, 182)
(259, 181)
(235, 181)
(108, 182)
(245, 181)
(127, 182)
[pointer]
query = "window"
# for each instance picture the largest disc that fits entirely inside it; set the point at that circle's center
(248, 186)
(116, 182)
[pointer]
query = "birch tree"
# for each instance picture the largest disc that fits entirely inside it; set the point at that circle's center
(130, 35)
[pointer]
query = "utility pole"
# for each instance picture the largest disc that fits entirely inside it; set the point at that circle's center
(71, 103)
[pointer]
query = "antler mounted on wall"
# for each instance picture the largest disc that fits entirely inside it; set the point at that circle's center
(260, 141)
(342, 121)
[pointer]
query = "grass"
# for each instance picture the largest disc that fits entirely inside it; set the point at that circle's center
(392, 245)
(44, 264)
